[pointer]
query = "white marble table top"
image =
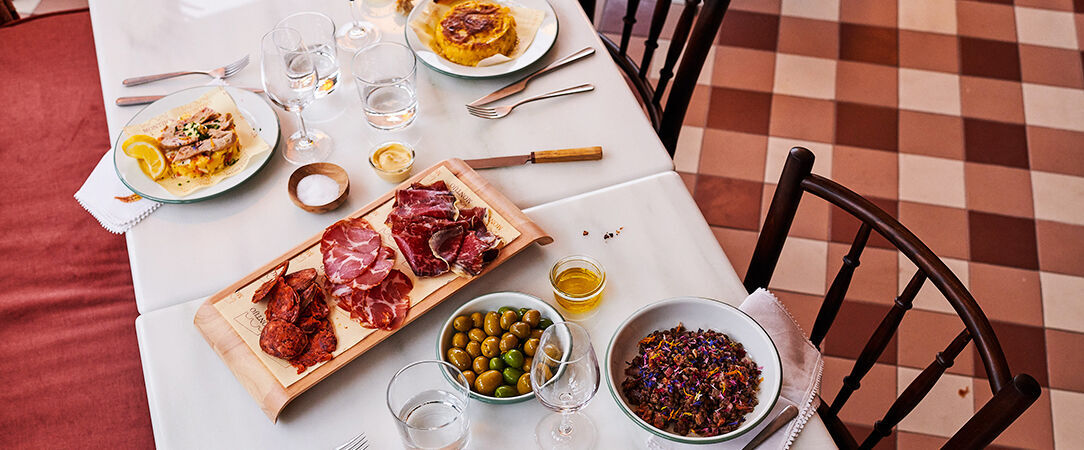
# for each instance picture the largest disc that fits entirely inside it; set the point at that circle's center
(665, 250)
(186, 251)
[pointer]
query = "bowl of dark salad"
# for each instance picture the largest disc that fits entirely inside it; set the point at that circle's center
(693, 370)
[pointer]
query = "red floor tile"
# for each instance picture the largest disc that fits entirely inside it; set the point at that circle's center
(738, 245)
(752, 30)
(1053, 66)
(1065, 360)
(845, 226)
(931, 135)
(1054, 150)
(1003, 240)
(810, 221)
(1060, 247)
(986, 20)
(809, 37)
(880, 13)
(1007, 294)
(924, 334)
(867, 126)
(871, 173)
(998, 189)
(992, 99)
(738, 110)
(928, 51)
(733, 155)
(729, 202)
(802, 118)
(743, 68)
(943, 229)
(852, 329)
(875, 279)
(870, 401)
(996, 143)
(872, 84)
(992, 59)
(1024, 346)
(863, 43)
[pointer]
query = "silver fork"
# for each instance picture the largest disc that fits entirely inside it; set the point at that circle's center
(225, 71)
(359, 442)
(497, 112)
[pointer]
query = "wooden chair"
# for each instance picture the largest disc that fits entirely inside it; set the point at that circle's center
(8, 12)
(1012, 395)
(667, 122)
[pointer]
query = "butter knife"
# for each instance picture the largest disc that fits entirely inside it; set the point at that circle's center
(143, 100)
(521, 84)
(788, 414)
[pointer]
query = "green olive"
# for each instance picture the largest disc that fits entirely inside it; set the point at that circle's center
(544, 323)
(508, 318)
(523, 386)
(480, 364)
(469, 375)
(532, 316)
(505, 309)
(536, 334)
(459, 358)
(459, 340)
(513, 357)
(462, 323)
(496, 364)
(520, 329)
(477, 319)
(527, 364)
(474, 349)
(545, 371)
(552, 352)
(508, 342)
(505, 391)
(488, 381)
(491, 347)
(476, 334)
(492, 324)
(523, 311)
(530, 346)
(511, 375)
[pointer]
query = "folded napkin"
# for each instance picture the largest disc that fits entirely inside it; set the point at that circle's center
(802, 367)
(99, 196)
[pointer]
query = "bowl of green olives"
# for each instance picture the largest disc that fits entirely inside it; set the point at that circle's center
(492, 340)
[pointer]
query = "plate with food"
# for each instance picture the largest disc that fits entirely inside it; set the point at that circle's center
(481, 38)
(309, 312)
(195, 144)
(693, 370)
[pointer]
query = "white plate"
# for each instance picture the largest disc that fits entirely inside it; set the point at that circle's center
(255, 110)
(543, 41)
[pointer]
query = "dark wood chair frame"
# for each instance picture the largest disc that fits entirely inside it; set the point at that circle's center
(667, 122)
(1012, 395)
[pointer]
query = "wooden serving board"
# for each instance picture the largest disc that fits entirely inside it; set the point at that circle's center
(255, 376)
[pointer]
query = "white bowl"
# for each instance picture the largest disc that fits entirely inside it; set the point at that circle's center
(694, 313)
(493, 302)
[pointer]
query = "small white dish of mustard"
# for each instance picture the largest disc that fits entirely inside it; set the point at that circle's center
(392, 161)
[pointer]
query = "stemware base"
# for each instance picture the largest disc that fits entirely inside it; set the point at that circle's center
(354, 36)
(580, 433)
(299, 151)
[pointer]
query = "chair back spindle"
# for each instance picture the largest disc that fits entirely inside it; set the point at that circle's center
(1012, 395)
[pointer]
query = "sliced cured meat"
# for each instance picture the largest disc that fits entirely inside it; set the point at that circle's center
(301, 279)
(478, 249)
(316, 308)
(434, 200)
(319, 350)
(376, 272)
(282, 339)
(385, 306)
(324, 340)
(265, 288)
(445, 243)
(348, 247)
(309, 325)
(340, 291)
(474, 217)
(412, 237)
(284, 304)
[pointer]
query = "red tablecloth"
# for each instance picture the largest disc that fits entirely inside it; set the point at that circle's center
(69, 363)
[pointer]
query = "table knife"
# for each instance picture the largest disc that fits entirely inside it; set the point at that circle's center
(143, 100)
(521, 84)
(789, 413)
(544, 156)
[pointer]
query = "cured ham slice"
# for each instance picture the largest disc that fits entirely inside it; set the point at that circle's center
(376, 272)
(434, 200)
(445, 243)
(348, 247)
(477, 250)
(385, 306)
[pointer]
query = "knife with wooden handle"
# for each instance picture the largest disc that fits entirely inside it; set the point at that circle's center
(788, 414)
(143, 100)
(544, 156)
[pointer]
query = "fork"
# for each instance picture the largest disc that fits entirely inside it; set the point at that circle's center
(359, 442)
(497, 112)
(222, 72)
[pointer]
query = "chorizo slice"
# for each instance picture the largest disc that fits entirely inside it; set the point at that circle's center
(301, 279)
(282, 339)
(265, 288)
(284, 305)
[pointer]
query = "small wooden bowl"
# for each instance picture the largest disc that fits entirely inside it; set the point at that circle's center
(335, 172)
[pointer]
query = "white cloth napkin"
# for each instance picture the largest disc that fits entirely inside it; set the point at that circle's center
(99, 193)
(802, 368)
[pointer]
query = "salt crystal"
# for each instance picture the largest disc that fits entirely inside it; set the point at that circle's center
(317, 190)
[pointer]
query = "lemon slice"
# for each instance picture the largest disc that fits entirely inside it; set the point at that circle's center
(138, 138)
(151, 160)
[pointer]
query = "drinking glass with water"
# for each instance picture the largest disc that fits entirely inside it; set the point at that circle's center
(385, 75)
(429, 402)
(318, 32)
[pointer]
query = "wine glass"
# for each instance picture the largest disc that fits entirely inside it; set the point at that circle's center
(290, 80)
(564, 377)
(318, 33)
(358, 33)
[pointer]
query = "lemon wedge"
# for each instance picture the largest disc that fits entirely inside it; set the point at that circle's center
(151, 160)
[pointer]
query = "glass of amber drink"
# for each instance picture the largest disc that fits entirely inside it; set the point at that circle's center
(578, 282)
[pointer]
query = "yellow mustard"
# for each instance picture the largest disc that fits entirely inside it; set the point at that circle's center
(392, 161)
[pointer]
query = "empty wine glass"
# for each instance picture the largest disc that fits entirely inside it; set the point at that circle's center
(565, 377)
(359, 32)
(290, 80)
(318, 33)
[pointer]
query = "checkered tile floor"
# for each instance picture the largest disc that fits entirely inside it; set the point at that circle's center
(964, 119)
